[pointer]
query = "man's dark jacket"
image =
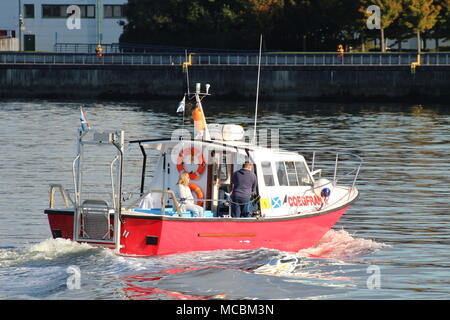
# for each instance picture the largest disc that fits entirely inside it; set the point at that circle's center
(244, 184)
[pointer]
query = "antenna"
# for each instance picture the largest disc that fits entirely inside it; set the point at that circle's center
(257, 89)
(187, 72)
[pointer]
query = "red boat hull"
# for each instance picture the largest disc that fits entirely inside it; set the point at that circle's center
(159, 235)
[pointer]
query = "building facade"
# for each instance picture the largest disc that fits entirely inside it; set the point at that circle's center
(42, 24)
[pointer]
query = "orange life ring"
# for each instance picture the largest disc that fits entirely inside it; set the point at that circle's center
(198, 192)
(193, 175)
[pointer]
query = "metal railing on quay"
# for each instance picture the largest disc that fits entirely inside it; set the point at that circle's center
(227, 59)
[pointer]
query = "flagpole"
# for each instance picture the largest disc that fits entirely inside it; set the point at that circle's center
(187, 85)
(257, 89)
(187, 73)
(182, 125)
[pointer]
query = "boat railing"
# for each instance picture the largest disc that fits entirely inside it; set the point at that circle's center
(342, 166)
(91, 194)
(164, 194)
(65, 196)
(176, 202)
(69, 203)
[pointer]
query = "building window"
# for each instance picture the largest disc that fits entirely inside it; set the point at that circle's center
(87, 11)
(114, 11)
(28, 10)
(53, 11)
(60, 11)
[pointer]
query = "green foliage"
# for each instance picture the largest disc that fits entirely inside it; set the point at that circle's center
(309, 25)
(390, 10)
(421, 15)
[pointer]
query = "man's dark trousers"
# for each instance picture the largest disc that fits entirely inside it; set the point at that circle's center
(239, 207)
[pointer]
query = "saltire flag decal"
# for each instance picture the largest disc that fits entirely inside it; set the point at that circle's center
(276, 202)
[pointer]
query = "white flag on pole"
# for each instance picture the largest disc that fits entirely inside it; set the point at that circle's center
(181, 105)
(84, 121)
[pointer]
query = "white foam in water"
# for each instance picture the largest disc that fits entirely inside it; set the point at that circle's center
(52, 248)
(45, 250)
(336, 246)
(341, 244)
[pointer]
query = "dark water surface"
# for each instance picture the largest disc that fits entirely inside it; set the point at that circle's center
(398, 230)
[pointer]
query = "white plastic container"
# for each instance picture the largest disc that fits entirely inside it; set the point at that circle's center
(232, 132)
(215, 131)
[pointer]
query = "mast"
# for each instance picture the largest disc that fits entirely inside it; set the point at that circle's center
(205, 134)
(257, 90)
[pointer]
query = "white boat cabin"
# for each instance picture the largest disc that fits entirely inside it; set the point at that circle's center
(285, 183)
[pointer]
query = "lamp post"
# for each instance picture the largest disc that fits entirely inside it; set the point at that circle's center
(99, 22)
(20, 17)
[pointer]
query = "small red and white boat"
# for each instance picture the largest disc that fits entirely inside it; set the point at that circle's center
(294, 207)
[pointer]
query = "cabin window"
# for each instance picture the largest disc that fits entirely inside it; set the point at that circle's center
(302, 173)
(292, 173)
(224, 168)
(223, 172)
(267, 173)
(281, 174)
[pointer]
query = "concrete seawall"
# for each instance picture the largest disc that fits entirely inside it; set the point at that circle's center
(325, 83)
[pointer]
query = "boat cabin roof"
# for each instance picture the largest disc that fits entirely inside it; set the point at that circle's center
(254, 152)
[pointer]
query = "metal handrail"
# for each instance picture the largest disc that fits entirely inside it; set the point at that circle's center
(336, 178)
(163, 200)
(75, 178)
(229, 59)
(65, 196)
(114, 196)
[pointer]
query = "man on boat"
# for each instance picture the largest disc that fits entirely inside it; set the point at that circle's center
(243, 185)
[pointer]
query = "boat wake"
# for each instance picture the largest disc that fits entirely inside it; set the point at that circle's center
(341, 245)
(312, 273)
(40, 271)
(337, 247)
(46, 250)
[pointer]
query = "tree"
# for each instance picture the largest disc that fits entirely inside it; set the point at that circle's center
(441, 29)
(390, 10)
(285, 24)
(322, 24)
(199, 23)
(420, 16)
(399, 31)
